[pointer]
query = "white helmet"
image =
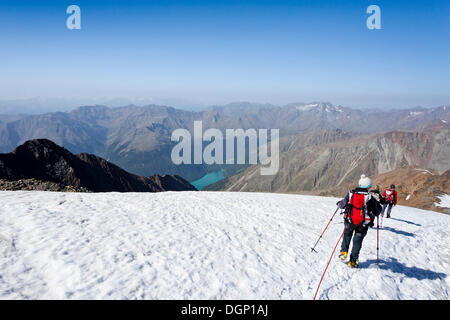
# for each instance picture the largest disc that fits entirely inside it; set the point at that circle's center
(365, 182)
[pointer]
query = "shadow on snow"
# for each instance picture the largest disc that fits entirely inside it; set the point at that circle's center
(400, 232)
(411, 272)
(406, 221)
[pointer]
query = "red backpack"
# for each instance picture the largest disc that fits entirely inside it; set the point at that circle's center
(357, 208)
(390, 196)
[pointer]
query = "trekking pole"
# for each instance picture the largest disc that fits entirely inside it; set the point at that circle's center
(378, 239)
(381, 222)
(312, 249)
(317, 290)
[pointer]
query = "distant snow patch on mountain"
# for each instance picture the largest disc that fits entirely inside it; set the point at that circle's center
(444, 201)
(424, 171)
(339, 109)
(307, 107)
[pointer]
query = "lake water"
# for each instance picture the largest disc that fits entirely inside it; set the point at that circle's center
(208, 179)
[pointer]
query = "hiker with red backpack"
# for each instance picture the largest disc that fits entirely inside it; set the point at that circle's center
(390, 196)
(360, 211)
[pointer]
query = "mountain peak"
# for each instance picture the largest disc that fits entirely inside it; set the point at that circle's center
(40, 147)
(44, 160)
(319, 106)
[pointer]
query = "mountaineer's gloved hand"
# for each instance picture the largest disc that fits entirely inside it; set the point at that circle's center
(341, 204)
(376, 196)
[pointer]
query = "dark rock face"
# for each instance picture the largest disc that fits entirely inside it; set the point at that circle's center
(43, 160)
(171, 182)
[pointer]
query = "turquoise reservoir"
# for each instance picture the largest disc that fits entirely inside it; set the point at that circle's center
(208, 179)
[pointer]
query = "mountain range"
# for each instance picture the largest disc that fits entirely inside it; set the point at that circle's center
(138, 138)
(323, 147)
(329, 162)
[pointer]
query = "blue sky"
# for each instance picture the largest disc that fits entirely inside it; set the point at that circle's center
(215, 52)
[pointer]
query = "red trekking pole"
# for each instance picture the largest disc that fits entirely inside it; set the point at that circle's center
(378, 238)
(312, 249)
(317, 290)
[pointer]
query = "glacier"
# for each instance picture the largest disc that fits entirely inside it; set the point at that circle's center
(209, 245)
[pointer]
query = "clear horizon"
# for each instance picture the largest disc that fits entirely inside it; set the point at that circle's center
(194, 54)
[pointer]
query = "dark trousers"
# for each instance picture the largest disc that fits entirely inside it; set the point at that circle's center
(360, 232)
(389, 208)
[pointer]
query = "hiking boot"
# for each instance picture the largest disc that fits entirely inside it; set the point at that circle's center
(343, 255)
(353, 264)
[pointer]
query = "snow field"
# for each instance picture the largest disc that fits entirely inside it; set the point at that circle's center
(209, 245)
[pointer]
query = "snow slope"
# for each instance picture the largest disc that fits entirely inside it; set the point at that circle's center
(209, 245)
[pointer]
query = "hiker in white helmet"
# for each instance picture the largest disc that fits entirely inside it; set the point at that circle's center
(360, 211)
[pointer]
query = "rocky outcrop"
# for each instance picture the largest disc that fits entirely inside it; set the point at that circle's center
(37, 185)
(417, 187)
(43, 160)
(171, 182)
